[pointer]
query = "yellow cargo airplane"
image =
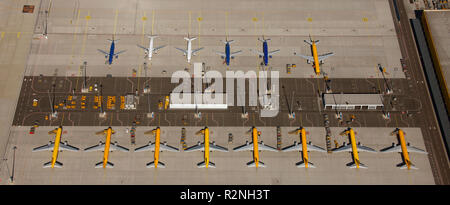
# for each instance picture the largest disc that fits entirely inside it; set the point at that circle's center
(315, 58)
(303, 146)
(255, 146)
(403, 147)
(353, 147)
(106, 147)
(56, 146)
(206, 147)
(156, 147)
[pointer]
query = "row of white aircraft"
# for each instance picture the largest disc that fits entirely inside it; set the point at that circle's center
(208, 146)
(316, 59)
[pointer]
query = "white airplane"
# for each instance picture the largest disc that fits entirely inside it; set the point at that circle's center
(150, 50)
(189, 52)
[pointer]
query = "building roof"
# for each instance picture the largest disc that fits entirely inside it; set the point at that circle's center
(353, 99)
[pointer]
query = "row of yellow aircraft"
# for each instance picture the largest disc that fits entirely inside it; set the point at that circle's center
(208, 146)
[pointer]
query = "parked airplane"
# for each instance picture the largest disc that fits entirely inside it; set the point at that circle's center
(206, 147)
(303, 146)
(189, 52)
(150, 50)
(109, 56)
(255, 146)
(315, 58)
(403, 147)
(265, 54)
(353, 147)
(56, 146)
(227, 55)
(106, 147)
(156, 147)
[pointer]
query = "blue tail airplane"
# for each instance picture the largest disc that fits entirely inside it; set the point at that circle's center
(265, 54)
(109, 56)
(227, 55)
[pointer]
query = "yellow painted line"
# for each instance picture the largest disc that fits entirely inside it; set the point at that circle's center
(365, 19)
(144, 20)
(88, 17)
(115, 21)
(254, 19)
(199, 20)
(74, 37)
(309, 19)
(18, 34)
(153, 20)
(2, 35)
(189, 27)
(226, 23)
(262, 24)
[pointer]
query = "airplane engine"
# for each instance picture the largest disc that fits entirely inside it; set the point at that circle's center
(232, 57)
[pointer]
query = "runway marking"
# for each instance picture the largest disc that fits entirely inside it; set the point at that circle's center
(153, 19)
(189, 27)
(199, 19)
(115, 21)
(83, 47)
(74, 37)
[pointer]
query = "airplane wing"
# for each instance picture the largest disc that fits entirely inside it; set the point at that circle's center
(262, 146)
(182, 50)
(166, 147)
(67, 147)
(146, 49)
(415, 149)
(157, 48)
(273, 52)
(114, 147)
(345, 148)
(99, 147)
(257, 52)
(235, 53)
(221, 53)
(198, 147)
(102, 51)
(395, 148)
(116, 54)
(244, 147)
(312, 147)
(149, 147)
(294, 147)
(44, 147)
(310, 58)
(194, 51)
(322, 57)
(365, 149)
(214, 147)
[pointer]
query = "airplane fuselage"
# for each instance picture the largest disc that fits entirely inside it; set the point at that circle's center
(354, 148)
(266, 53)
(255, 146)
(157, 143)
(405, 154)
(304, 147)
(206, 143)
(111, 53)
(227, 53)
(56, 147)
(316, 58)
(150, 49)
(189, 51)
(107, 144)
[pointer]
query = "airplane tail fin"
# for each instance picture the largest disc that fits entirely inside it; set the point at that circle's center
(229, 41)
(113, 40)
(49, 164)
(152, 164)
(253, 164)
(353, 165)
(302, 164)
(203, 165)
(404, 166)
(100, 165)
(190, 39)
(152, 36)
